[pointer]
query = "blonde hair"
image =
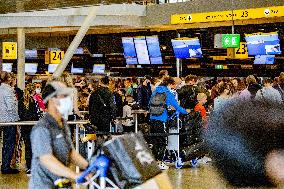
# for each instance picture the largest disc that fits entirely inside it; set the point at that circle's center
(250, 80)
(201, 96)
(28, 93)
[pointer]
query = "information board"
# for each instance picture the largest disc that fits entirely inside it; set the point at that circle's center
(141, 50)
(154, 49)
(9, 50)
(242, 51)
(56, 57)
(129, 50)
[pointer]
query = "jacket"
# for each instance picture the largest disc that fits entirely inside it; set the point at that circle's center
(144, 95)
(8, 104)
(170, 101)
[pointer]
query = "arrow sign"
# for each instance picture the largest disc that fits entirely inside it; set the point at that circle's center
(231, 40)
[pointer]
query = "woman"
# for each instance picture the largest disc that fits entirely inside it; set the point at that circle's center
(33, 112)
(224, 91)
(8, 113)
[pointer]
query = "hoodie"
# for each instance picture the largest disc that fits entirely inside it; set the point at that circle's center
(171, 101)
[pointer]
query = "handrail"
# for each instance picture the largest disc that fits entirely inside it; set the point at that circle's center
(30, 123)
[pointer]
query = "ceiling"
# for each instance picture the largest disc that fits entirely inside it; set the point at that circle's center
(30, 5)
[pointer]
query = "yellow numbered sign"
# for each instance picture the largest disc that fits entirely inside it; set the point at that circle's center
(56, 57)
(9, 50)
(241, 52)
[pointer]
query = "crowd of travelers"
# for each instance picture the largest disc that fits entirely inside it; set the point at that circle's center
(107, 99)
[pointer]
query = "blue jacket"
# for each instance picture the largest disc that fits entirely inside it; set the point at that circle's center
(171, 101)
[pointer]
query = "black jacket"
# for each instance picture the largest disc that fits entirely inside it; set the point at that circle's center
(144, 95)
(102, 108)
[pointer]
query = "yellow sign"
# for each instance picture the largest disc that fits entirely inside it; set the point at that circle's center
(242, 52)
(9, 50)
(244, 14)
(56, 57)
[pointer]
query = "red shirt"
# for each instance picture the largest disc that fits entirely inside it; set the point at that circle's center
(40, 102)
(200, 108)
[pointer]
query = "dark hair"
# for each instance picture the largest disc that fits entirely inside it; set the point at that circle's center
(190, 78)
(281, 78)
(268, 81)
(222, 86)
(4, 77)
(168, 81)
(241, 135)
(105, 80)
(162, 73)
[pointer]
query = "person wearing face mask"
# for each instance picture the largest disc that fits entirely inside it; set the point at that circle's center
(52, 147)
(38, 97)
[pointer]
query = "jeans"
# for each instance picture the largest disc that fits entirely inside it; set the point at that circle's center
(9, 142)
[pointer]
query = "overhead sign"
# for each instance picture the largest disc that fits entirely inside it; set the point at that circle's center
(231, 40)
(56, 57)
(9, 50)
(242, 51)
(242, 14)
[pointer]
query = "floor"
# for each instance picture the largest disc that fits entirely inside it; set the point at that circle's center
(202, 177)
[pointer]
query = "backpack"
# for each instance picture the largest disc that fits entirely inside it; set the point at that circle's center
(158, 104)
(189, 101)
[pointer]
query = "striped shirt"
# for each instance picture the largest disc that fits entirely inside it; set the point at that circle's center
(8, 104)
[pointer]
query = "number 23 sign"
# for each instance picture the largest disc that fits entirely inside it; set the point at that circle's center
(242, 52)
(56, 57)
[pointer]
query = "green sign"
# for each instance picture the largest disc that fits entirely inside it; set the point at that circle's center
(219, 67)
(231, 40)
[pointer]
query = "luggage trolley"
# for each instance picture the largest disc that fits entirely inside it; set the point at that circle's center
(174, 147)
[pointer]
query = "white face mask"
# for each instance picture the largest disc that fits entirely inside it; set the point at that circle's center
(38, 90)
(65, 107)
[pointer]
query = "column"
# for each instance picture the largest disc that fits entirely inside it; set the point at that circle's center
(21, 58)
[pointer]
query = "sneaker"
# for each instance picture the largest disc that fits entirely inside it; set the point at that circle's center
(10, 171)
(163, 166)
(204, 160)
(28, 172)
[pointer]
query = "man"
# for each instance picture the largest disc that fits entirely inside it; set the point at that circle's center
(144, 93)
(188, 93)
(245, 140)
(162, 75)
(52, 146)
(8, 113)
(280, 85)
(102, 107)
(268, 93)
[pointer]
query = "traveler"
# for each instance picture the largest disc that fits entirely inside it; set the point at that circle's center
(144, 93)
(280, 85)
(102, 107)
(51, 140)
(252, 88)
(268, 93)
(162, 98)
(8, 113)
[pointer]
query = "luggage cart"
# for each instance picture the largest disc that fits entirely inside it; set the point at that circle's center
(174, 147)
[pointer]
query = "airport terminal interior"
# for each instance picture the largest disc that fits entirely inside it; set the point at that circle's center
(144, 94)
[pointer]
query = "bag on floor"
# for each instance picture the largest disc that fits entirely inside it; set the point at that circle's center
(132, 161)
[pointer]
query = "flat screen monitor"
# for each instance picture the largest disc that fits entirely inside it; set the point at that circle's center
(263, 44)
(31, 53)
(129, 50)
(31, 68)
(79, 50)
(142, 50)
(99, 68)
(77, 70)
(154, 49)
(52, 68)
(264, 59)
(7, 67)
(187, 48)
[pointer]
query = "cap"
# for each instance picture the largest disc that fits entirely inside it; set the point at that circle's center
(55, 88)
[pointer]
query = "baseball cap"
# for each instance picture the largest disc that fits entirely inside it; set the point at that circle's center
(55, 88)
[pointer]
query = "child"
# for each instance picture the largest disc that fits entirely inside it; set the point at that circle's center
(202, 99)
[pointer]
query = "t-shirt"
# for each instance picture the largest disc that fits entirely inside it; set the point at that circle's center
(48, 138)
(200, 108)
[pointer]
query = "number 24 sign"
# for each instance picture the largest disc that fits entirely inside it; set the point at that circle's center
(56, 57)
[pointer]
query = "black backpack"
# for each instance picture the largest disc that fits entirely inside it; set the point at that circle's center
(158, 104)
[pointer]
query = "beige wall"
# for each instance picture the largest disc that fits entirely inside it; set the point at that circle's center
(163, 15)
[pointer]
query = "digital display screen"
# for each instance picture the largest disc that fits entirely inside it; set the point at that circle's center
(264, 59)
(154, 49)
(77, 70)
(52, 68)
(7, 67)
(79, 50)
(129, 50)
(141, 50)
(263, 44)
(99, 68)
(30, 68)
(187, 48)
(31, 53)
